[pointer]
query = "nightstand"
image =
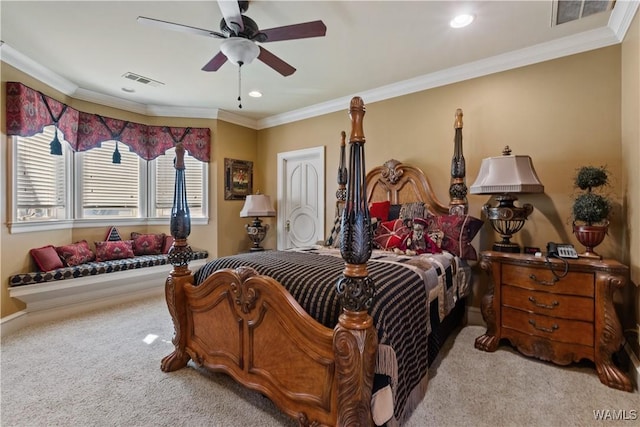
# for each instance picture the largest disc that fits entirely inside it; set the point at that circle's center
(555, 317)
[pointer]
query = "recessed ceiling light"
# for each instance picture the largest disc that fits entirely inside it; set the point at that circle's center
(461, 21)
(255, 94)
(128, 90)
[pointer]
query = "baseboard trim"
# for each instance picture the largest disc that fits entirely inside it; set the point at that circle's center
(12, 323)
(474, 317)
(634, 366)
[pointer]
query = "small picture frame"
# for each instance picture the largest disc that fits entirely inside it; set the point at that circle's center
(238, 179)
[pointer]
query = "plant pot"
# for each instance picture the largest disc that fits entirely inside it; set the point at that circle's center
(590, 236)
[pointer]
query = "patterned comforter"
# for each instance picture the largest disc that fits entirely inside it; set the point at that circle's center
(406, 287)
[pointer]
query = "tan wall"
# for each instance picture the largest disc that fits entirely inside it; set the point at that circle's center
(563, 113)
(227, 141)
(631, 171)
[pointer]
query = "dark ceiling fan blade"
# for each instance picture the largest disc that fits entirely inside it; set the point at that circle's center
(231, 13)
(274, 62)
(178, 27)
(295, 31)
(215, 63)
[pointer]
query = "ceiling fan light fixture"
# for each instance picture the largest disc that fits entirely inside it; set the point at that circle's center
(239, 50)
(255, 94)
(461, 21)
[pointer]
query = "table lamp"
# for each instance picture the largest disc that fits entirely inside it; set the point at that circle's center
(503, 176)
(257, 205)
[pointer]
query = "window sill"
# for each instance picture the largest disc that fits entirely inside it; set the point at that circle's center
(39, 226)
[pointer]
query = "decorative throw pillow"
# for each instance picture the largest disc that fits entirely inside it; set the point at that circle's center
(380, 210)
(168, 241)
(412, 210)
(147, 244)
(109, 251)
(391, 234)
(112, 235)
(459, 231)
(419, 241)
(394, 212)
(46, 258)
(76, 253)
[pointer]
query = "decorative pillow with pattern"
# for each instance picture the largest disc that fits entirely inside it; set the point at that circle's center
(459, 231)
(147, 244)
(391, 234)
(76, 253)
(412, 210)
(46, 258)
(108, 251)
(168, 241)
(419, 241)
(113, 235)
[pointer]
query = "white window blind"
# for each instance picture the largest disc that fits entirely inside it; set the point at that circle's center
(165, 181)
(40, 178)
(110, 189)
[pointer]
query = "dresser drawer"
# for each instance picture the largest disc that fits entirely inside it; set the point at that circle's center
(542, 279)
(553, 328)
(549, 304)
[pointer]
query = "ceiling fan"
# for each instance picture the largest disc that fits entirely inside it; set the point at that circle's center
(240, 34)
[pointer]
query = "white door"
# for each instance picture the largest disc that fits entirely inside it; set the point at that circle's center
(300, 198)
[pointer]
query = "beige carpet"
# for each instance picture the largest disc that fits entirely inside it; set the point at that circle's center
(103, 369)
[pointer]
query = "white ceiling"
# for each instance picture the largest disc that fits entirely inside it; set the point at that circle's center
(376, 49)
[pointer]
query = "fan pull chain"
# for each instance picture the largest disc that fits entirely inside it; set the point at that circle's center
(239, 84)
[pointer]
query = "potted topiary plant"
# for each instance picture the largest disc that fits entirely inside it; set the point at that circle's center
(591, 208)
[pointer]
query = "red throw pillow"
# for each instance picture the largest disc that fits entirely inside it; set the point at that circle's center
(108, 251)
(76, 253)
(168, 241)
(459, 231)
(147, 244)
(46, 258)
(380, 210)
(391, 234)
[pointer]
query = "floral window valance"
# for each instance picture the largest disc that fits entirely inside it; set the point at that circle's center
(29, 111)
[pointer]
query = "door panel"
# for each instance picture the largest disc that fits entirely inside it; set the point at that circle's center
(300, 198)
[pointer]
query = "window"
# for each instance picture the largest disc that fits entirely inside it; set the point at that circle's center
(165, 173)
(85, 188)
(40, 178)
(110, 189)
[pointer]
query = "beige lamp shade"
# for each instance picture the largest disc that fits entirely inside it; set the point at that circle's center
(257, 205)
(507, 174)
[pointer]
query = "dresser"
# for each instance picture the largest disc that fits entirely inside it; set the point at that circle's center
(555, 311)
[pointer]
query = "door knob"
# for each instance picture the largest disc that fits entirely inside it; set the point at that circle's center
(287, 226)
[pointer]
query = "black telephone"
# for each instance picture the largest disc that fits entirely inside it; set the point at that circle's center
(561, 250)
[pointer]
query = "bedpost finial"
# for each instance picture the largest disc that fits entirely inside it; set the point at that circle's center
(458, 123)
(343, 135)
(356, 113)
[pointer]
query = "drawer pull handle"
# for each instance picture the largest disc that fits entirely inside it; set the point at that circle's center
(540, 328)
(553, 305)
(543, 282)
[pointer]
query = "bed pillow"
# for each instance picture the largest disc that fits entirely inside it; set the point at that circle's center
(459, 231)
(46, 258)
(419, 241)
(76, 253)
(109, 251)
(394, 212)
(168, 241)
(380, 210)
(391, 234)
(147, 244)
(412, 210)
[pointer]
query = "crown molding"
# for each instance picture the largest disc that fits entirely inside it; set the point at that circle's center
(619, 22)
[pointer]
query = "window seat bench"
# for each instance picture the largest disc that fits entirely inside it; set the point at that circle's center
(92, 284)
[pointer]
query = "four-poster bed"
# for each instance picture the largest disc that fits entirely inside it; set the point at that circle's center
(313, 331)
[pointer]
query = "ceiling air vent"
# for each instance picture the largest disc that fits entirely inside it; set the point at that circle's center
(570, 10)
(141, 79)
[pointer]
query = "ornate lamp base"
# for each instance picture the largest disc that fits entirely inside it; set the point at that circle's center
(256, 232)
(507, 219)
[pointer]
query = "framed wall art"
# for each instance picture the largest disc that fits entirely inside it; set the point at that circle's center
(238, 179)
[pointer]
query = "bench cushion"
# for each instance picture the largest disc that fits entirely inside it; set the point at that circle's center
(93, 268)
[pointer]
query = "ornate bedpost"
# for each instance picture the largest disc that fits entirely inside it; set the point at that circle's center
(354, 338)
(341, 192)
(179, 256)
(458, 189)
